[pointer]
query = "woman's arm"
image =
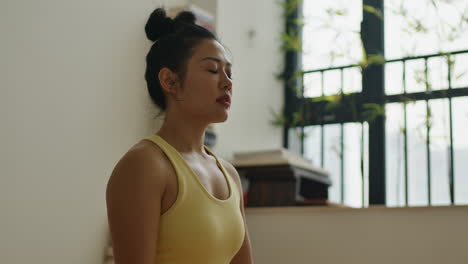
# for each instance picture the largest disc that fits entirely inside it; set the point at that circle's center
(133, 198)
(244, 255)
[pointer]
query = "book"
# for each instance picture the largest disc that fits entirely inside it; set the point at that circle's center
(280, 156)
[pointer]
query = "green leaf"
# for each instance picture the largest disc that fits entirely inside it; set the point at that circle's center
(289, 6)
(375, 59)
(451, 61)
(337, 150)
(373, 10)
(416, 26)
(327, 98)
(296, 118)
(428, 122)
(372, 111)
(299, 22)
(291, 41)
(363, 63)
(460, 75)
(336, 12)
(334, 101)
(279, 76)
(407, 100)
(278, 118)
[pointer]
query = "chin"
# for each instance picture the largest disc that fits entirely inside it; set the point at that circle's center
(222, 118)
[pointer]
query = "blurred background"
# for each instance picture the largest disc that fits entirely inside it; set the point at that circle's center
(373, 94)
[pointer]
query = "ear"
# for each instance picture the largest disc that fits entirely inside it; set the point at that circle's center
(168, 80)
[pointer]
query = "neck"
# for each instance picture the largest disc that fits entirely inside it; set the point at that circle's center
(185, 133)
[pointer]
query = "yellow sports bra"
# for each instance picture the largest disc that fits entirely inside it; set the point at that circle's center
(198, 228)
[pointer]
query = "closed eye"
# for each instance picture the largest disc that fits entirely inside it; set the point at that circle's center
(215, 72)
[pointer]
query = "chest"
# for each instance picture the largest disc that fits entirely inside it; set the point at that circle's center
(208, 174)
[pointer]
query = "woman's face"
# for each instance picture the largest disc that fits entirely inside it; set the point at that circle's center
(207, 77)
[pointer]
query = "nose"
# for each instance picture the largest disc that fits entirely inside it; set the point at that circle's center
(227, 83)
(228, 87)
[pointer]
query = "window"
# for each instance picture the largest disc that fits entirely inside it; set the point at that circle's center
(339, 127)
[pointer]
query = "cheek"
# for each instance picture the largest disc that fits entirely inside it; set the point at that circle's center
(202, 85)
(198, 94)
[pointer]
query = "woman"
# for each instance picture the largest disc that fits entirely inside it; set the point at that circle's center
(170, 199)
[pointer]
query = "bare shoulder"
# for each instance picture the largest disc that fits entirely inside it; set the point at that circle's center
(133, 197)
(143, 161)
(143, 171)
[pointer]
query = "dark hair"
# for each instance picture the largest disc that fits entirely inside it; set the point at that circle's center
(174, 40)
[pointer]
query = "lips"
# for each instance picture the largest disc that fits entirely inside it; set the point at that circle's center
(225, 99)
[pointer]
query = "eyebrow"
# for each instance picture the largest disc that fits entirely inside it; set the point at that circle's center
(216, 59)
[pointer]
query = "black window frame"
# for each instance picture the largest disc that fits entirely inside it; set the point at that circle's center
(314, 112)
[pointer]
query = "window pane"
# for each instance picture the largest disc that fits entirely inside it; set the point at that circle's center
(331, 33)
(460, 143)
(332, 82)
(294, 138)
(312, 145)
(395, 155)
(415, 76)
(417, 158)
(352, 165)
(312, 85)
(366, 164)
(437, 73)
(440, 142)
(352, 80)
(394, 78)
(420, 27)
(460, 71)
(332, 161)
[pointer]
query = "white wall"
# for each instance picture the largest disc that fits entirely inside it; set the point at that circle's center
(300, 235)
(73, 101)
(256, 61)
(208, 5)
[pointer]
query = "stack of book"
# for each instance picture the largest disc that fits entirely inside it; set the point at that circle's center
(279, 177)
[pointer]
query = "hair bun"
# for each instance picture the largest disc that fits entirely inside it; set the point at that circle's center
(158, 25)
(185, 17)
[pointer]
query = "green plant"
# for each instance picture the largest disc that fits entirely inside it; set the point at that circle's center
(291, 41)
(332, 102)
(375, 11)
(372, 111)
(278, 118)
(289, 6)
